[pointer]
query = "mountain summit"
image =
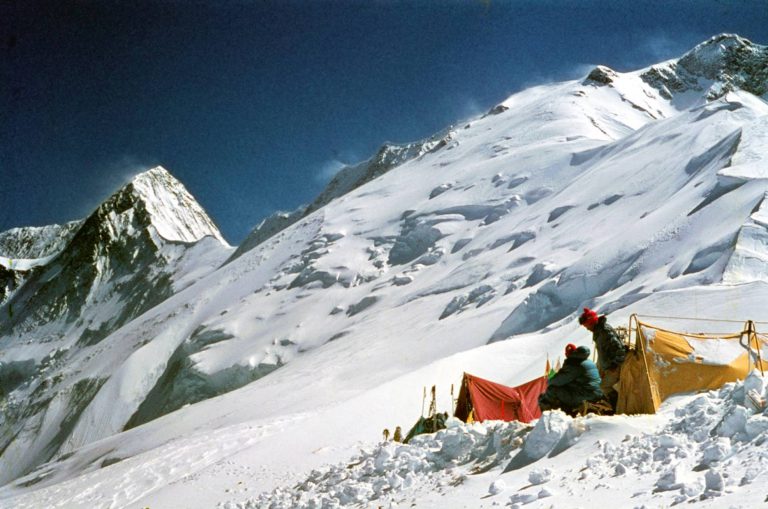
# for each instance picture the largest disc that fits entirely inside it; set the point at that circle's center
(137, 233)
(733, 61)
(722, 64)
(174, 212)
(159, 200)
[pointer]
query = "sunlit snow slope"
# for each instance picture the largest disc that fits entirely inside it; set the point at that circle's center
(627, 192)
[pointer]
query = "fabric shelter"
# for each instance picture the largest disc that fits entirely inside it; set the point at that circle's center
(663, 363)
(486, 400)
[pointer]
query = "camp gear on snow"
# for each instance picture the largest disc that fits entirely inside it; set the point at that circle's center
(433, 422)
(430, 424)
(486, 400)
(549, 371)
(599, 407)
(657, 364)
(756, 401)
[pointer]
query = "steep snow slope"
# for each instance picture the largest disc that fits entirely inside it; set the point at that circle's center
(611, 192)
(140, 246)
(347, 179)
(713, 68)
(174, 213)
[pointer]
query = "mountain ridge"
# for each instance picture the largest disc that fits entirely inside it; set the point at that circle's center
(34, 242)
(348, 178)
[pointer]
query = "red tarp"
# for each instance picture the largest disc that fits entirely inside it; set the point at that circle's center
(492, 401)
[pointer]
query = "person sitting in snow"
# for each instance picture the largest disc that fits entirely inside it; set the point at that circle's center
(610, 352)
(577, 381)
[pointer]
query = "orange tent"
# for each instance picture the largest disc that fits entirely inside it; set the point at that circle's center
(662, 363)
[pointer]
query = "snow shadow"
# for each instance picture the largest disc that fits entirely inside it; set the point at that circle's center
(561, 296)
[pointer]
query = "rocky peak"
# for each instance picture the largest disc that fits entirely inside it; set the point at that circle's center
(730, 61)
(720, 54)
(33, 242)
(10, 280)
(156, 198)
(124, 247)
(601, 75)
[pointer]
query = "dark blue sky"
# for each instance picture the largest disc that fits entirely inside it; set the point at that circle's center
(251, 104)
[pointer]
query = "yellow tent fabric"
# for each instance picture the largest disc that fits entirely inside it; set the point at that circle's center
(666, 363)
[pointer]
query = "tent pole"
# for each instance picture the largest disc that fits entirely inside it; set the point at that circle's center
(433, 409)
(633, 317)
(751, 333)
(645, 362)
(746, 330)
(757, 345)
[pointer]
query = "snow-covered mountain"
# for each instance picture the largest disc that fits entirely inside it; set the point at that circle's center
(139, 247)
(728, 62)
(147, 367)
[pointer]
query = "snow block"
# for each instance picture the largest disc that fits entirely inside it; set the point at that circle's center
(544, 437)
(415, 239)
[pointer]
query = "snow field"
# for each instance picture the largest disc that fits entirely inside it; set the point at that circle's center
(393, 473)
